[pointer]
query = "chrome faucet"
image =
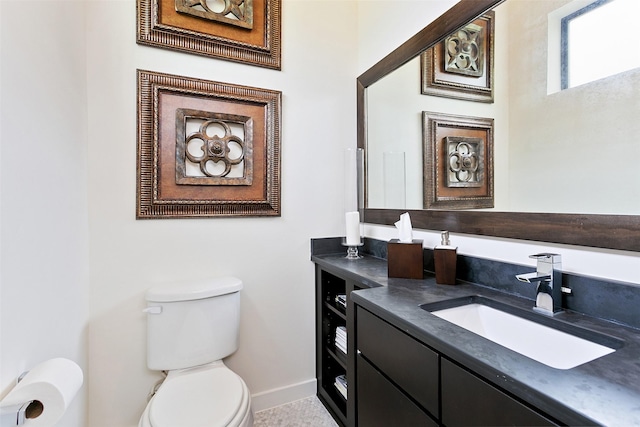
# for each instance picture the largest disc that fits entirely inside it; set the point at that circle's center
(548, 276)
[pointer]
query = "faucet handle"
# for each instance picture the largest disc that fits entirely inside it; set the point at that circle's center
(546, 256)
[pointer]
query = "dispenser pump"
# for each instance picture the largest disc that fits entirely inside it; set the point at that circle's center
(445, 238)
(445, 256)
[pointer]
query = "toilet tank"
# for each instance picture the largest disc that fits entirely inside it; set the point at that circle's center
(192, 323)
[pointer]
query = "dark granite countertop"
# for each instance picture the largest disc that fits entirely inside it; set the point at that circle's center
(604, 391)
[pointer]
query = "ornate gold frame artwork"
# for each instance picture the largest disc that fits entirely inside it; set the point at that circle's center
(462, 65)
(458, 159)
(206, 148)
(245, 31)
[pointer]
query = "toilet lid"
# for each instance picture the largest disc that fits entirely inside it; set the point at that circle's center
(209, 397)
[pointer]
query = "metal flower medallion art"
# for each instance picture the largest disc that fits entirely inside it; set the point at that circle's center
(213, 148)
(464, 53)
(461, 66)
(465, 160)
(206, 148)
(233, 12)
(246, 31)
(458, 161)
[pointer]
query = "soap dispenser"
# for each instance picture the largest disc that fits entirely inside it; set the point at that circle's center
(445, 257)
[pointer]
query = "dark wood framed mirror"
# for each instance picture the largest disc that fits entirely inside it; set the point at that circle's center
(621, 232)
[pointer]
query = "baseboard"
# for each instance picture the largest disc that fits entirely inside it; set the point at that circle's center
(280, 396)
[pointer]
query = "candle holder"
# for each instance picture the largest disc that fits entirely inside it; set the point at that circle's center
(352, 250)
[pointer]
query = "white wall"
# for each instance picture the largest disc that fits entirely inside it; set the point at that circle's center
(385, 24)
(271, 255)
(44, 268)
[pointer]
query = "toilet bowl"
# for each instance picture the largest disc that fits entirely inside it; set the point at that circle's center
(206, 396)
(191, 327)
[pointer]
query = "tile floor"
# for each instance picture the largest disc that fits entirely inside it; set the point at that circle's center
(307, 412)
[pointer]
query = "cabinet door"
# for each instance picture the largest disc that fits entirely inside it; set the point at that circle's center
(469, 401)
(381, 404)
(407, 362)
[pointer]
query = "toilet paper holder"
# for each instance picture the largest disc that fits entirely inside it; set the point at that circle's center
(21, 412)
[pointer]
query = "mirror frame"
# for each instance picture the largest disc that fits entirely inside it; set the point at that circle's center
(621, 232)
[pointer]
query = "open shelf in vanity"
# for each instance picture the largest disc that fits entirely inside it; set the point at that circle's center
(334, 320)
(331, 362)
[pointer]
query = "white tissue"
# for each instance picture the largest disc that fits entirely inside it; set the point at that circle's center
(54, 383)
(405, 232)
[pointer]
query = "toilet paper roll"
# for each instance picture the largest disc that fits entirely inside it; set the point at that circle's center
(53, 383)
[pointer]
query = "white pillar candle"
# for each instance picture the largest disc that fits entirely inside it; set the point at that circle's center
(353, 228)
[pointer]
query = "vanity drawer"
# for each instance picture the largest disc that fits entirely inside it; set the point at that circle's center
(380, 403)
(412, 366)
(468, 400)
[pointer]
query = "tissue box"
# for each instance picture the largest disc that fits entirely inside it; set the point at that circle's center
(404, 260)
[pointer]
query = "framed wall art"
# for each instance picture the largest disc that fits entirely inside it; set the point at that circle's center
(458, 159)
(206, 148)
(246, 31)
(461, 66)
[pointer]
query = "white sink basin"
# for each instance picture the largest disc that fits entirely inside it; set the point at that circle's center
(547, 345)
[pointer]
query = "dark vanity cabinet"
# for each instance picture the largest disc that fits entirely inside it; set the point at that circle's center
(469, 400)
(397, 377)
(402, 382)
(333, 319)
(406, 366)
(372, 372)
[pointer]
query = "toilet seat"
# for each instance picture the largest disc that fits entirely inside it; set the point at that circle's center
(207, 396)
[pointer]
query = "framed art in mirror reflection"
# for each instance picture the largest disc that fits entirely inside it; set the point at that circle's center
(458, 159)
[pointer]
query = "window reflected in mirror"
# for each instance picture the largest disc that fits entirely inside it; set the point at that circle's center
(595, 41)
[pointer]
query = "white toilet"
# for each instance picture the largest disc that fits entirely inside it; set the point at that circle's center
(191, 327)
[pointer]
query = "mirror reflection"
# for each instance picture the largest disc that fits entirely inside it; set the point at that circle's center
(557, 151)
